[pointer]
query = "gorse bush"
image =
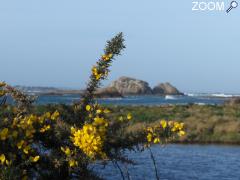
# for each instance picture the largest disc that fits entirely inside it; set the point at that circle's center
(51, 146)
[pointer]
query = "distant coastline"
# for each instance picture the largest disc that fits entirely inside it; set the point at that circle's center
(124, 87)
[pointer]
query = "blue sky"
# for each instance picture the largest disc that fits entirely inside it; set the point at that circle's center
(55, 43)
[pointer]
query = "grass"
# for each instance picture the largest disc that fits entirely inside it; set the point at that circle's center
(204, 124)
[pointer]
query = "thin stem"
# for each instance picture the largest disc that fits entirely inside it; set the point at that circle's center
(3, 101)
(154, 163)
(127, 172)
(119, 168)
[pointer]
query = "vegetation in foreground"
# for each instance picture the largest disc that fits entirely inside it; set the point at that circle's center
(61, 142)
(203, 124)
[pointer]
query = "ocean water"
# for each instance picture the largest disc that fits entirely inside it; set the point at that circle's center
(139, 100)
(180, 162)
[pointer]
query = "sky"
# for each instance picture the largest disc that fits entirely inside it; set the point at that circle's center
(55, 43)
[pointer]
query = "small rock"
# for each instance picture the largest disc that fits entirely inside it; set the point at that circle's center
(166, 89)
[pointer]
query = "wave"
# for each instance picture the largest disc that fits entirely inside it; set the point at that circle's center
(190, 94)
(219, 95)
(200, 104)
(222, 95)
(111, 99)
(170, 97)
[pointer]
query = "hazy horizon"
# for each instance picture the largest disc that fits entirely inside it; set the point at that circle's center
(55, 43)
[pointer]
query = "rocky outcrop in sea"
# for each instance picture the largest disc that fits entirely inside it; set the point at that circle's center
(131, 86)
(108, 92)
(166, 89)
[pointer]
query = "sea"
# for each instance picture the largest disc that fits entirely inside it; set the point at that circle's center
(179, 162)
(188, 98)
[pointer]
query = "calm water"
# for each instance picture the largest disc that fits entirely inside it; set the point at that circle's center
(182, 162)
(137, 100)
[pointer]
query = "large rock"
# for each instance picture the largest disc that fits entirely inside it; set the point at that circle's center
(166, 89)
(131, 86)
(108, 92)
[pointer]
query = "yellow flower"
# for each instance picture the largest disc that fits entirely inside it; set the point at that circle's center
(73, 130)
(55, 115)
(47, 115)
(8, 162)
(175, 126)
(181, 133)
(95, 71)
(99, 111)
(98, 76)
(72, 163)
(107, 57)
(181, 125)
(120, 118)
(106, 111)
(150, 129)
(45, 128)
(34, 159)
(4, 134)
(163, 124)
(2, 158)
(129, 116)
(67, 151)
(26, 149)
(2, 93)
(149, 137)
(156, 140)
(88, 107)
(100, 122)
(20, 144)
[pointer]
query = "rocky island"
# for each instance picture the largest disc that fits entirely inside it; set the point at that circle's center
(127, 86)
(166, 89)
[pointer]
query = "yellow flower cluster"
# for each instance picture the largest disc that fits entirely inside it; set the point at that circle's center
(107, 57)
(96, 110)
(99, 72)
(164, 130)
(91, 137)
(177, 127)
(4, 161)
(96, 73)
(71, 161)
(128, 118)
(19, 135)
